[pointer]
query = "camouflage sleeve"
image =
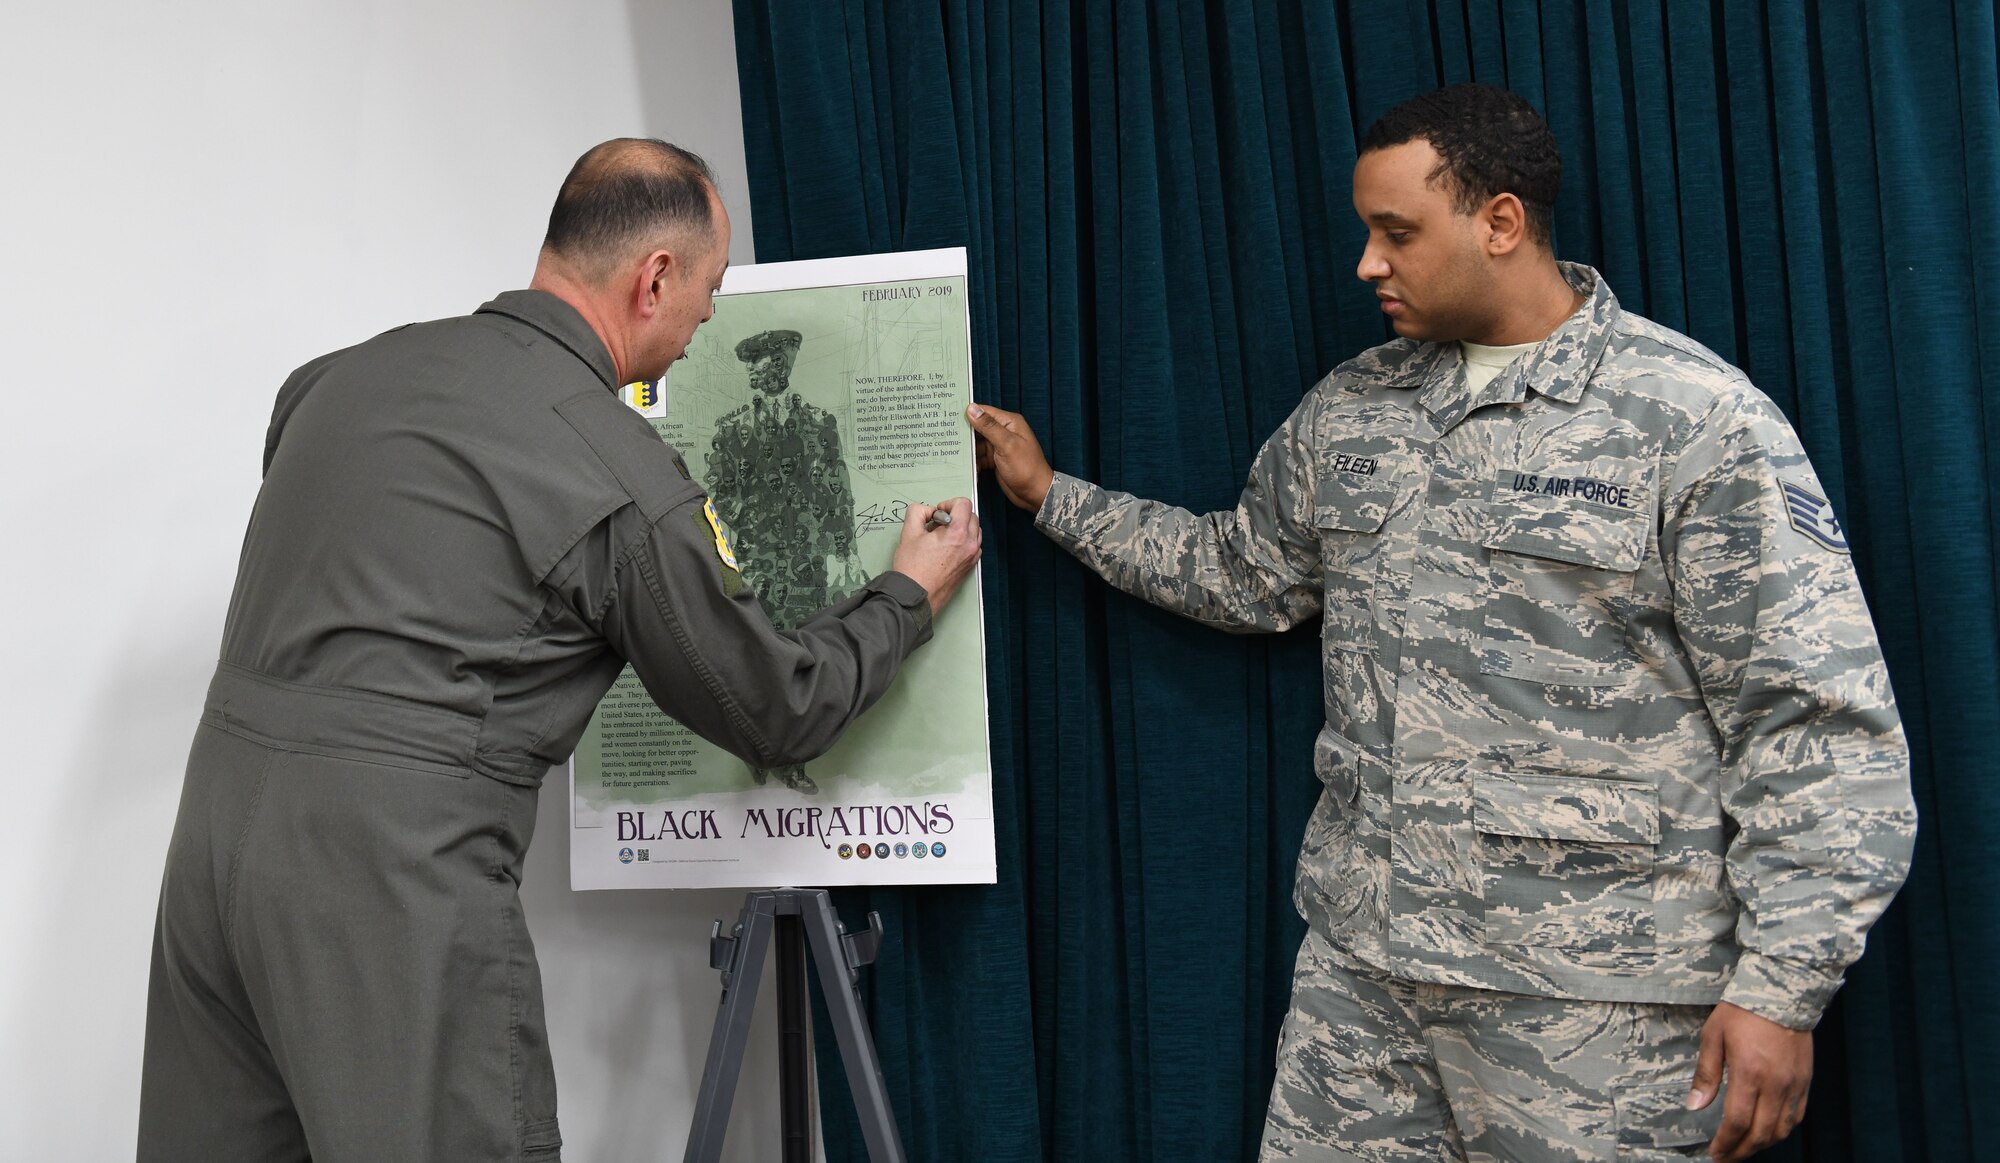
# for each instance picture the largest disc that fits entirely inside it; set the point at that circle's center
(1815, 771)
(1253, 568)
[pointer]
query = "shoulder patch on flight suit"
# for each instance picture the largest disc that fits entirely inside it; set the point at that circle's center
(711, 525)
(723, 548)
(1812, 515)
(643, 464)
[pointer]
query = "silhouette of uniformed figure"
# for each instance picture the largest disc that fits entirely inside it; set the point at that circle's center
(779, 482)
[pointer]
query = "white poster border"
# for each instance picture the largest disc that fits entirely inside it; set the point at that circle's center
(974, 859)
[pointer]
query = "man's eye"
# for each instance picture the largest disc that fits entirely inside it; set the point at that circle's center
(1399, 237)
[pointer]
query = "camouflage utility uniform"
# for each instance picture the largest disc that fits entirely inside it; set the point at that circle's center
(1606, 722)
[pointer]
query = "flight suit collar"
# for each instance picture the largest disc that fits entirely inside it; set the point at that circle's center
(1559, 368)
(561, 322)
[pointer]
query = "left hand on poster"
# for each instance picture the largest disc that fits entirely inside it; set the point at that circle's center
(938, 557)
(1008, 446)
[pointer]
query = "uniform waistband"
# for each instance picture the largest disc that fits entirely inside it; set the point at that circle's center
(340, 721)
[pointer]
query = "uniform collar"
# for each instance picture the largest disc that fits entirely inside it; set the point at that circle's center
(559, 321)
(1559, 367)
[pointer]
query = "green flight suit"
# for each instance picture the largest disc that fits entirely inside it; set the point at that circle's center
(462, 537)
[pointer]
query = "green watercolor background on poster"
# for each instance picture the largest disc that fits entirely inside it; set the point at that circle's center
(889, 361)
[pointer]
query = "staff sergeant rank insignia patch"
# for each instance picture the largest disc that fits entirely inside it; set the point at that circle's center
(1813, 516)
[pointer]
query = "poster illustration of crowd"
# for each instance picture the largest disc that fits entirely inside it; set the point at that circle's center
(822, 398)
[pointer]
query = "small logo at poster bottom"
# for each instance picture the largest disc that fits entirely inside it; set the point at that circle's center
(902, 850)
(937, 848)
(920, 851)
(881, 852)
(864, 852)
(846, 851)
(624, 856)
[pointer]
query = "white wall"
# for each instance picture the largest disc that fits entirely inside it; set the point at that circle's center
(194, 198)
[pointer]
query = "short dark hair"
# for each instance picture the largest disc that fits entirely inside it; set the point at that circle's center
(1489, 142)
(624, 195)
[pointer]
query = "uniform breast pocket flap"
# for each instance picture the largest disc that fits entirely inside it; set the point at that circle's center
(1555, 607)
(1610, 541)
(1597, 516)
(1342, 508)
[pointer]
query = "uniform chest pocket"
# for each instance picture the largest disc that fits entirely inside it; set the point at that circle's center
(1349, 522)
(1557, 598)
(1567, 860)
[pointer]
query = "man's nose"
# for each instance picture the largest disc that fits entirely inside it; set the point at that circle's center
(1372, 267)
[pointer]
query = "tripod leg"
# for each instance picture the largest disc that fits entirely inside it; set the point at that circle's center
(732, 1031)
(850, 1029)
(795, 1101)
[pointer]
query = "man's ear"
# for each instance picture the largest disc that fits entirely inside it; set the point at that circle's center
(1504, 223)
(649, 282)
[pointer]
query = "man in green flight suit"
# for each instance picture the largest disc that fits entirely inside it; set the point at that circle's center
(1614, 782)
(462, 537)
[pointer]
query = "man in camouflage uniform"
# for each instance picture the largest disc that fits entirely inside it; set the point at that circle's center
(1614, 779)
(781, 486)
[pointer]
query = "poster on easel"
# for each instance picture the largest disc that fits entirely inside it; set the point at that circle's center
(823, 398)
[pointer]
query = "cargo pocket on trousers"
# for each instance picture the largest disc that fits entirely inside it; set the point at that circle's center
(541, 1142)
(1567, 860)
(1655, 1118)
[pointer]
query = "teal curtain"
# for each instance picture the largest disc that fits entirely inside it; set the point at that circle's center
(1155, 198)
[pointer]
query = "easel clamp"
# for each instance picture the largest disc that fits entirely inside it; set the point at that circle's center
(858, 949)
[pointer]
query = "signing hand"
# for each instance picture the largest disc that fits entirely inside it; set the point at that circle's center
(1008, 446)
(1770, 1069)
(938, 556)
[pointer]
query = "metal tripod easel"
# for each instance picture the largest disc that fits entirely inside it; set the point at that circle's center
(802, 919)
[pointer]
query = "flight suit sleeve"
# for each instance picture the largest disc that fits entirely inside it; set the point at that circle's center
(676, 608)
(1815, 770)
(1253, 568)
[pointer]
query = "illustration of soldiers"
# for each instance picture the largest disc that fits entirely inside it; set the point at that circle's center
(780, 483)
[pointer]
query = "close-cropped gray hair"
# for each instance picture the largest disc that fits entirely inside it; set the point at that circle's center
(626, 196)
